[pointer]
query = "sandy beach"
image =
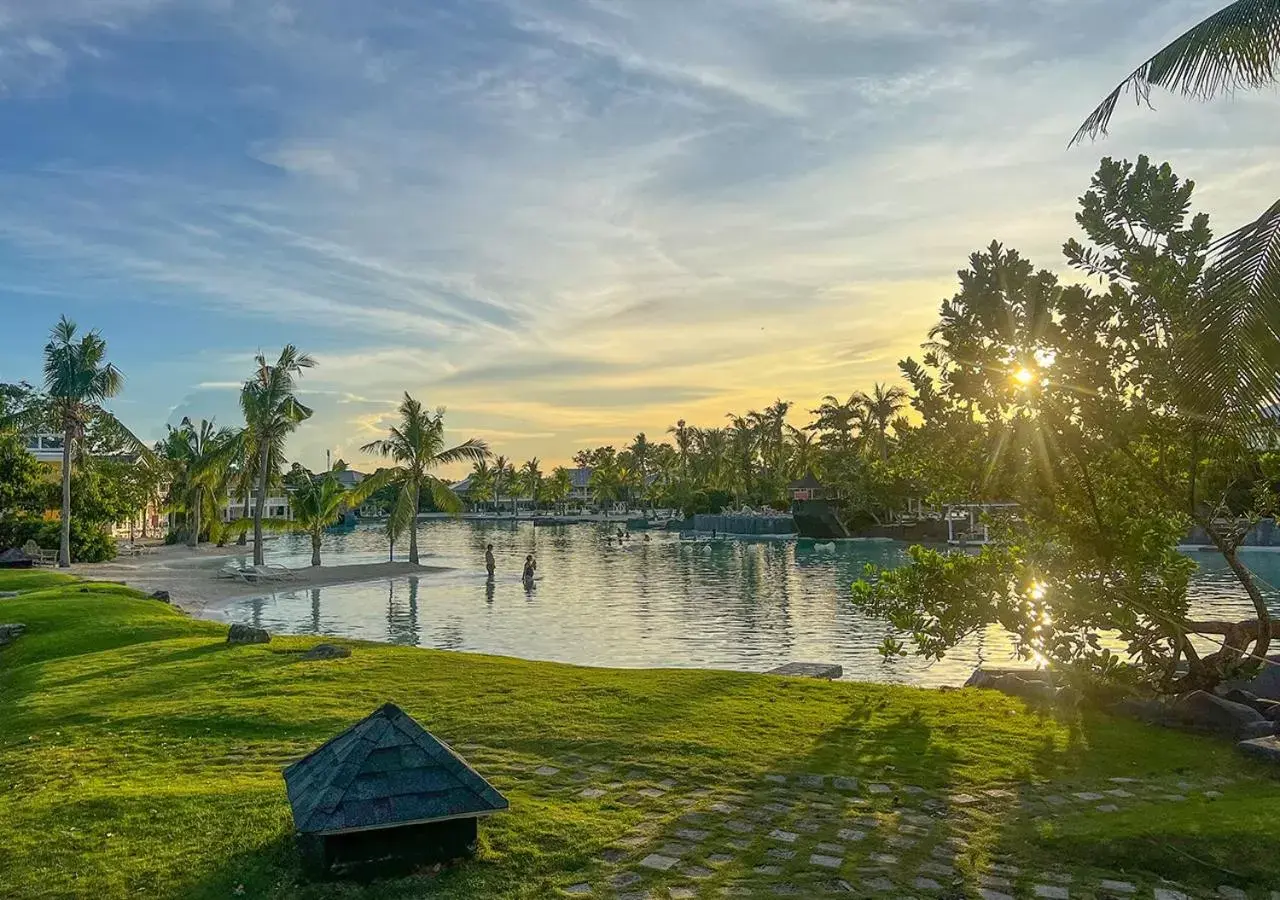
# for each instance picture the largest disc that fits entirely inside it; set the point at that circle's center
(191, 576)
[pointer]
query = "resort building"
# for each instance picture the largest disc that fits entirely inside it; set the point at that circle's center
(46, 447)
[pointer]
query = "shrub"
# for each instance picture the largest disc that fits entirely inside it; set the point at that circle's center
(89, 543)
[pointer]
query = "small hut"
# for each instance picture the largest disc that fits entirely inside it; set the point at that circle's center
(386, 796)
(807, 488)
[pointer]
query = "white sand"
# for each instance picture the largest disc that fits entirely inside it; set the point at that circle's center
(191, 576)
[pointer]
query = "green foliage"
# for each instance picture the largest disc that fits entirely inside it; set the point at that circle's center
(1078, 404)
(90, 543)
(417, 445)
(23, 481)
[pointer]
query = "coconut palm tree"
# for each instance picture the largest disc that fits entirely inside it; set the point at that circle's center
(558, 487)
(684, 442)
(503, 480)
(271, 414)
(805, 453)
(531, 480)
(417, 446)
(882, 407)
(1237, 346)
(205, 459)
(606, 484)
(77, 380)
(319, 501)
(480, 483)
(835, 419)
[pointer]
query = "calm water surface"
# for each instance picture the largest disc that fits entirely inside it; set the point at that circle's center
(740, 604)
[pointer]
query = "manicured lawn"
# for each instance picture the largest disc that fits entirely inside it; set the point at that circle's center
(141, 756)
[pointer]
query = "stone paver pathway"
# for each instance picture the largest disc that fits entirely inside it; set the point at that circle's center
(822, 835)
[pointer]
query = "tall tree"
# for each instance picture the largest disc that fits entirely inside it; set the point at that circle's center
(1236, 48)
(503, 480)
(271, 413)
(77, 380)
(202, 452)
(531, 480)
(480, 482)
(559, 486)
(416, 445)
(882, 407)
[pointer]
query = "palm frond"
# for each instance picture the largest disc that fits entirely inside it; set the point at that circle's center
(442, 495)
(1235, 352)
(1237, 47)
(403, 513)
(471, 450)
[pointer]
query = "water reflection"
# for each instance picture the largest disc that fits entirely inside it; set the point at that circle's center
(747, 605)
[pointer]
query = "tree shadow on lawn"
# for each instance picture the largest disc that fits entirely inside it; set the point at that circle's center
(1168, 828)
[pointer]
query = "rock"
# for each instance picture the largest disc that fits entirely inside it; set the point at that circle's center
(1265, 748)
(162, 596)
(1257, 730)
(1266, 685)
(247, 634)
(1202, 711)
(11, 632)
(1149, 711)
(1017, 686)
(327, 651)
(6, 595)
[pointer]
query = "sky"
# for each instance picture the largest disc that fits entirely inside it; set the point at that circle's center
(564, 220)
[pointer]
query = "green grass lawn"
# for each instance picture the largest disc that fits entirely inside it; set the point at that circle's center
(140, 756)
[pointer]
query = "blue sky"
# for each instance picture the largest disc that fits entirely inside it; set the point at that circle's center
(565, 221)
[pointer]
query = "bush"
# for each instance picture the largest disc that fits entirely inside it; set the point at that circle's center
(89, 543)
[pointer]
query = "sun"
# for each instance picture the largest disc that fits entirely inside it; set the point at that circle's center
(1024, 376)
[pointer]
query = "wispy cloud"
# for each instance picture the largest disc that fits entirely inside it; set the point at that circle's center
(560, 219)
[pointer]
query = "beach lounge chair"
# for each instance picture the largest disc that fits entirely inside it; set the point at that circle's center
(41, 556)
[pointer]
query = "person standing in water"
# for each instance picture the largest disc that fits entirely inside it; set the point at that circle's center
(529, 568)
(489, 562)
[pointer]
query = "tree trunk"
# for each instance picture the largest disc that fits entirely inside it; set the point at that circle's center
(1245, 577)
(260, 507)
(413, 528)
(193, 537)
(64, 541)
(243, 539)
(315, 548)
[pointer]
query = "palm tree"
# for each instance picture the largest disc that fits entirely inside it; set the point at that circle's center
(77, 379)
(1236, 47)
(531, 480)
(559, 486)
(205, 459)
(806, 455)
(684, 439)
(503, 480)
(271, 414)
(605, 484)
(836, 419)
(882, 408)
(417, 446)
(319, 501)
(480, 482)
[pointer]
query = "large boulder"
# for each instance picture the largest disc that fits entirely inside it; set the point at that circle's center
(11, 632)
(327, 651)
(162, 596)
(247, 634)
(1202, 711)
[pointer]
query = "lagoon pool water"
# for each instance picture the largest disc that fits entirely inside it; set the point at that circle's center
(743, 604)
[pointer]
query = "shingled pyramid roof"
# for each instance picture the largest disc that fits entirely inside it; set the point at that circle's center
(384, 771)
(808, 482)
